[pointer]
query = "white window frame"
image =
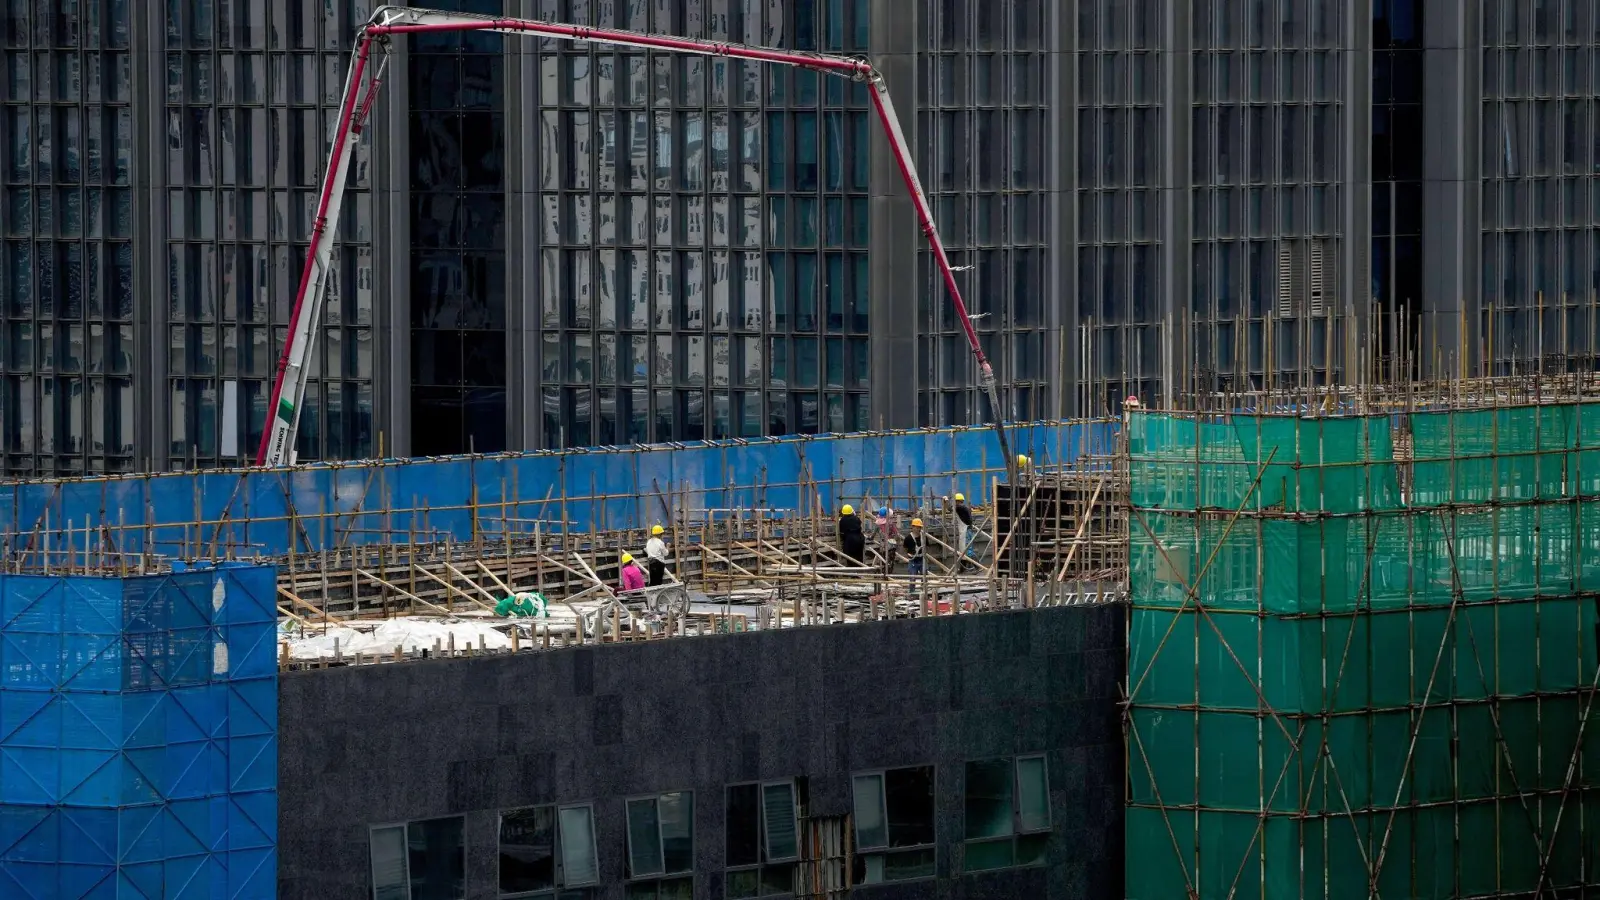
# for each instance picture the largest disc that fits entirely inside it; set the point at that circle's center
(767, 855)
(405, 856)
(558, 851)
(764, 838)
(372, 860)
(627, 823)
(862, 850)
(1017, 828)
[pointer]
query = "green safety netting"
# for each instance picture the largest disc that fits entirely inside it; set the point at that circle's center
(1240, 855)
(1351, 632)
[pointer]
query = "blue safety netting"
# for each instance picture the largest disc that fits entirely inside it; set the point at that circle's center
(329, 505)
(138, 735)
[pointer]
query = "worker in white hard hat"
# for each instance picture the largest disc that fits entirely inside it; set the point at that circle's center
(655, 554)
(852, 541)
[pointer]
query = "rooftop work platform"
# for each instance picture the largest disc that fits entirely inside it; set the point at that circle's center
(437, 543)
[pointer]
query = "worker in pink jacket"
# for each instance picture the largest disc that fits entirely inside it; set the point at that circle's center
(632, 575)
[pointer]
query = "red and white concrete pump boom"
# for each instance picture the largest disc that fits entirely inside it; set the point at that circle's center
(361, 89)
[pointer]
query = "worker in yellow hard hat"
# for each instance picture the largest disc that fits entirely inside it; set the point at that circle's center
(916, 547)
(632, 575)
(1023, 461)
(852, 540)
(655, 554)
(966, 534)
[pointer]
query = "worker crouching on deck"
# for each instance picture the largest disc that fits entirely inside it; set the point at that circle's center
(632, 575)
(852, 541)
(915, 546)
(655, 554)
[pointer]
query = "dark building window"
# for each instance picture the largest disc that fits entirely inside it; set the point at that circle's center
(661, 846)
(894, 825)
(1008, 813)
(545, 850)
(1397, 64)
(422, 860)
(458, 243)
(763, 839)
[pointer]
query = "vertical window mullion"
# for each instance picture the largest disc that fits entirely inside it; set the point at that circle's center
(762, 834)
(661, 838)
(405, 857)
(557, 867)
(1016, 802)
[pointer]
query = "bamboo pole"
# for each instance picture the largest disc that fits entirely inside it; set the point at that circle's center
(402, 591)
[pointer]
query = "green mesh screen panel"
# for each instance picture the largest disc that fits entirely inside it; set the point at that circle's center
(1362, 654)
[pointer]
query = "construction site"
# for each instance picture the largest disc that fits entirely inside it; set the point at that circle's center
(752, 526)
(1357, 629)
(1310, 642)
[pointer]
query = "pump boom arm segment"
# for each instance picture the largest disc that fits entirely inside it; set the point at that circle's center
(283, 411)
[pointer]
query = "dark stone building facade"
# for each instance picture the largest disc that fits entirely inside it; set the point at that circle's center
(903, 718)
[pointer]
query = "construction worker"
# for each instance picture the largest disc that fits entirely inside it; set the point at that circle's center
(632, 575)
(967, 534)
(883, 534)
(852, 541)
(886, 523)
(530, 603)
(655, 553)
(915, 546)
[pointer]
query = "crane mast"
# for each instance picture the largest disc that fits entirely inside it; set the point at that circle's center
(362, 84)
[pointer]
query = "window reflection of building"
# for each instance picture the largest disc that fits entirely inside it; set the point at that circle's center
(695, 247)
(1144, 199)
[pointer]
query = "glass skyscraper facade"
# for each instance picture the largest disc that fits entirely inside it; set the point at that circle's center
(1124, 183)
(701, 229)
(983, 107)
(553, 244)
(249, 95)
(162, 164)
(1213, 171)
(1268, 178)
(70, 301)
(1538, 124)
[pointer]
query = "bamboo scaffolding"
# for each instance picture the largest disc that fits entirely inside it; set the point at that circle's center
(378, 555)
(1546, 786)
